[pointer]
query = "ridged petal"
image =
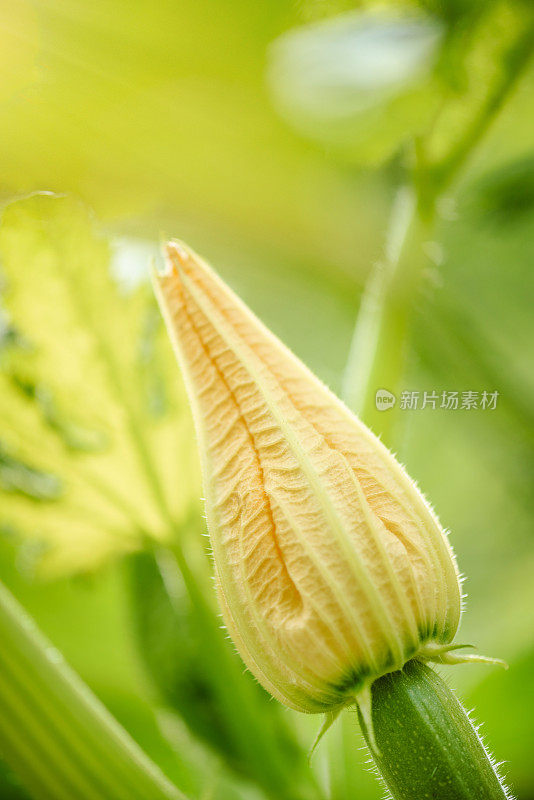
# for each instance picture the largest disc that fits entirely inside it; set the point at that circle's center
(330, 565)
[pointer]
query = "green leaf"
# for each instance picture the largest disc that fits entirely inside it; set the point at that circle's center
(96, 445)
(481, 66)
(10, 787)
(172, 647)
(54, 732)
(337, 81)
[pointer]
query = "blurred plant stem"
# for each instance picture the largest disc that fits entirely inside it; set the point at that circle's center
(381, 337)
(55, 734)
(516, 56)
(426, 745)
(260, 744)
(377, 354)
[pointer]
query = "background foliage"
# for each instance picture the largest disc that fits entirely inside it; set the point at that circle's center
(276, 154)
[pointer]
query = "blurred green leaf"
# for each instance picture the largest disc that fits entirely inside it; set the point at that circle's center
(88, 428)
(509, 695)
(16, 477)
(456, 12)
(10, 788)
(339, 80)
(196, 770)
(350, 769)
(198, 674)
(53, 730)
(481, 66)
(172, 646)
(506, 195)
(89, 617)
(366, 82)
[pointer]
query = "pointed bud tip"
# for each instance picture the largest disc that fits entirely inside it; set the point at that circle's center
(178, 256)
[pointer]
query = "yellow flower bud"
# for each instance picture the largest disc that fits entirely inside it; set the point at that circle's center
(331, 568)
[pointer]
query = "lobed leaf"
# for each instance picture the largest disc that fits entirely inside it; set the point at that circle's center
(83, 402)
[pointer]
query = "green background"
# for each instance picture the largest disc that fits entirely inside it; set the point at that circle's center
(158, 117)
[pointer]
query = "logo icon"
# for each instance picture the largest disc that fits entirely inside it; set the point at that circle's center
(384, 400)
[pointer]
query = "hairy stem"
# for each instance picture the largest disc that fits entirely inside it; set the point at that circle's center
(427, 747)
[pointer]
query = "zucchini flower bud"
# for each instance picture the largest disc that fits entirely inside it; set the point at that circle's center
(330, 566)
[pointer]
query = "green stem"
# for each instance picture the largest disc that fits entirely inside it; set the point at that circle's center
(427, 746)
(515, 57)
(55, 734)
(377, 354)
(378, 351)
